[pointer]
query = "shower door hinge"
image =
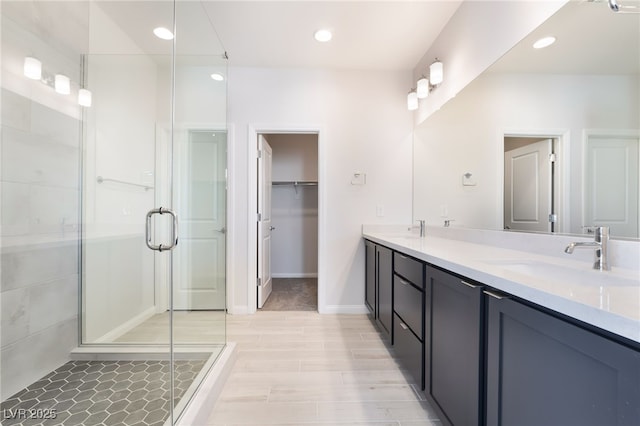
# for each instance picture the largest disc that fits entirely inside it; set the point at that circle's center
(259, 217)
(259, 282)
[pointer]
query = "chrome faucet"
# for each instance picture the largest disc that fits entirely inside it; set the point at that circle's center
(422, 228)
(601, 246)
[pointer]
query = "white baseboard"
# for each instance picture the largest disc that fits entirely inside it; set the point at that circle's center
(344, 309)
(123, 328)
(295, 275)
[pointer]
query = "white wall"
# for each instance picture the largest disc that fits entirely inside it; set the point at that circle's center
(294, 246)
(39, 199)
(364, 126)
(459, 139)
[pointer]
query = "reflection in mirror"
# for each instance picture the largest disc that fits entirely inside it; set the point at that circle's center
(530, 184)
(577, 99)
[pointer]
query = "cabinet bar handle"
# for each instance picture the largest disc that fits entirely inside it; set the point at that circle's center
(402, 281)
(403, 325)
(495, 295)
(469, 284)
(401, 256)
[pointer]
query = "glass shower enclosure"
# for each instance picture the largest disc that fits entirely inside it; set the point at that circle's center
(143, 213)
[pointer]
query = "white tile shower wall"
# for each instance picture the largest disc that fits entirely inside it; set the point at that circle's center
(40, 200)
(39, 304)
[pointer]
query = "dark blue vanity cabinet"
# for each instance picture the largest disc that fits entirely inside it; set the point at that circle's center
(545, 370)
(486, 358)
(408, 314)
(454, 359)
(370, 277)
(379, 285)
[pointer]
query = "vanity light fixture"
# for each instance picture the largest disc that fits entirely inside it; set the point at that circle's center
(412, 100)
(163, 33)
(62, 84)
(217, 76)
(436, 72)
(32, 68)
(323, 35)
(59, 82)
(422, 87)
(544, 42)
(425, 85)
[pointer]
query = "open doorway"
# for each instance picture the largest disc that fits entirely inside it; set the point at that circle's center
(531, 183)
(287, 228)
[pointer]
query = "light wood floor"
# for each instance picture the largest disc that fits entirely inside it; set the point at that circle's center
(303, 368)
(189, 328)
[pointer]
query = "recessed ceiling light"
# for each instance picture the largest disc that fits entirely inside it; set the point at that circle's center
(163, 33)
(544, 42)
(217, 76)
(323, 35)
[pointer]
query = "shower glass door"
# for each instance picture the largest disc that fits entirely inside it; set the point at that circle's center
(154, 176)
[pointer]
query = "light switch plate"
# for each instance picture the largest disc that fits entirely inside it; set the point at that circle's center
(468, 180)
(359, 178)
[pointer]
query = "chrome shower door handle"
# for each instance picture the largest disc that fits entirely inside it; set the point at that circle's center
(174, 230)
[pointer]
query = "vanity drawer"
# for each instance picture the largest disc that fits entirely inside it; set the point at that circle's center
(408, 304)
(409, 268)
(408, 350)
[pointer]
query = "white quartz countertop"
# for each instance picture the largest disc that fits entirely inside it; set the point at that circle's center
(609, 300)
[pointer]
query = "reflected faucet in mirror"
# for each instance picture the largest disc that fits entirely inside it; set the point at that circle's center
(600, 244)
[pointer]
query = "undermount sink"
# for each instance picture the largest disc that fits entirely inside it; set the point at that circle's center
(561, 273)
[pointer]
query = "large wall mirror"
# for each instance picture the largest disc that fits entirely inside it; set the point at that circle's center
(545, 140)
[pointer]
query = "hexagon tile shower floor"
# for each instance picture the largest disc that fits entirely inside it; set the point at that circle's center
(100, 393)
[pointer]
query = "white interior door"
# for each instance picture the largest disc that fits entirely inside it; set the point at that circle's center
(264, 220)
(199, 261)
(611, 184)
(527, 187)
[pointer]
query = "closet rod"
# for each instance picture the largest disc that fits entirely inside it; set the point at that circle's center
(295, 183)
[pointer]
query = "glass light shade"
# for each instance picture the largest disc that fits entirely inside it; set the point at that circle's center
(32, 68)
(412, 101)
(422, 89)
(62, 84)
(436, 72)
(84, 97)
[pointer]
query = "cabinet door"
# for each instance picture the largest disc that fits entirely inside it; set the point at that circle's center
(370, 276)
(454, 362)
(542, 370)
(385, 289)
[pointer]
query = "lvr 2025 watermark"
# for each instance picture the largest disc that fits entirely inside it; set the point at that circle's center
(29, 413)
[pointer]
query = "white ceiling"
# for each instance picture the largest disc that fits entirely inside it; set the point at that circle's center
(385, 35)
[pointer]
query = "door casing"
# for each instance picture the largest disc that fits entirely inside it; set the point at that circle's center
(252, 203)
